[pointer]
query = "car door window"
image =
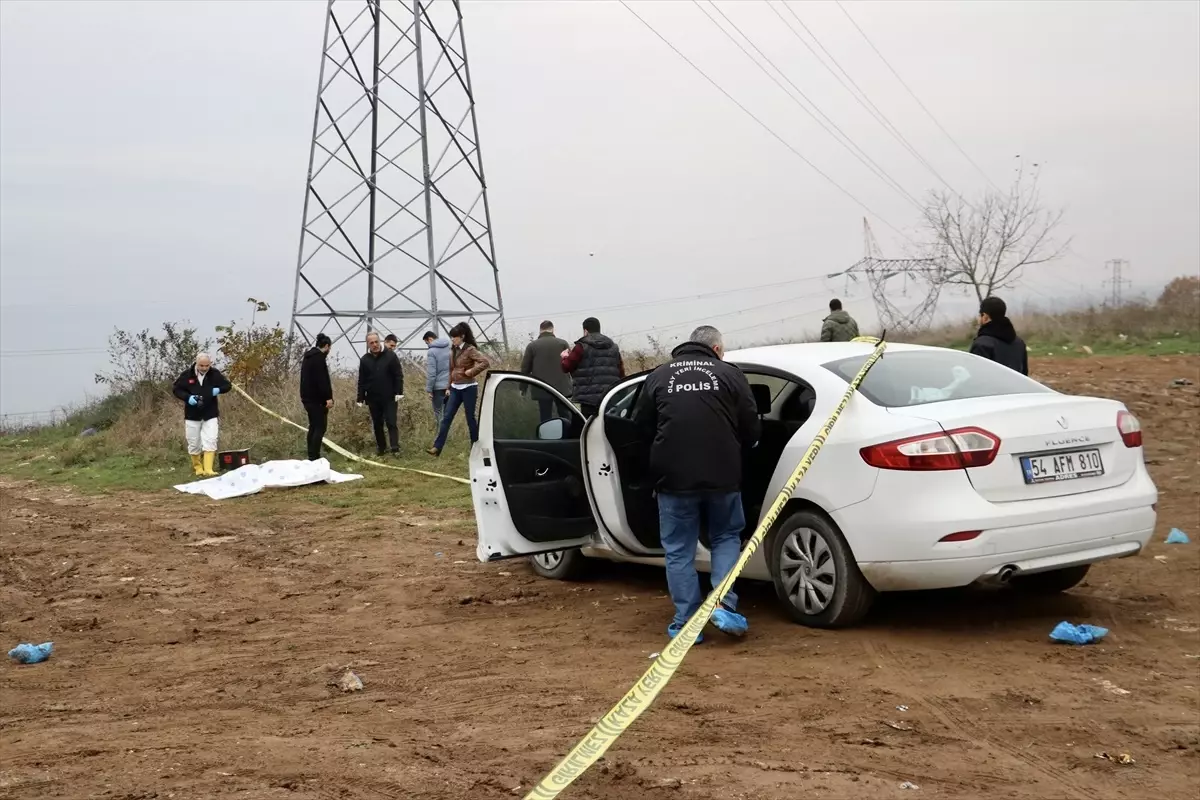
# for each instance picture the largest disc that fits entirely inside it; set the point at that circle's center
(527, 411)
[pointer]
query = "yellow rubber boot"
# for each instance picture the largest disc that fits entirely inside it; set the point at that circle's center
(197, 465)
(209, 458)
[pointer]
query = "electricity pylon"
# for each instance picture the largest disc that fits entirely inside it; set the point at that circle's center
(893, 278)
(396, 234)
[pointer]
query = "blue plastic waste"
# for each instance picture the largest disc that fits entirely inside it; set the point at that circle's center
(1177, 536)
(1077, 634)
(31, 653)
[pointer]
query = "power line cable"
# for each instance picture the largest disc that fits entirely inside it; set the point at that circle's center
(709, 317)
(858, 93)
(845, 140)
(914, 96)
(67, 351)
(762, 124)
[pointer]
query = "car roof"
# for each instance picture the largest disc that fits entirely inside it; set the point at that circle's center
(792, 357)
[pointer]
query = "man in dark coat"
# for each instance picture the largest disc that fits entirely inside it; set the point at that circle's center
(316, 392)
(997, 339)
(381, 388)
(839, 326)
(595, 366)
(198, 387)
(543, 361)
(701, 415)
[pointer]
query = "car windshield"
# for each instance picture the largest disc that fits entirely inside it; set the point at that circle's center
(915, 377)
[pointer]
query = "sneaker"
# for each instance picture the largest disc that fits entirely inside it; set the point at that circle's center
(674, 628)
(729, 622)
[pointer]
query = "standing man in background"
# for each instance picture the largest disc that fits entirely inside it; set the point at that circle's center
(316, 392)
(198, 388)
(543, 361)
(997, 339)
(391, 342)
(701, 415)
(437, 373)
(838, 326)
(381, 388)
(595, 365)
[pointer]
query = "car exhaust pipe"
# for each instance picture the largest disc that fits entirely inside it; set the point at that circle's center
(1005, 574)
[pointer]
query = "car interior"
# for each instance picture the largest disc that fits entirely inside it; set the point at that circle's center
(784, 404)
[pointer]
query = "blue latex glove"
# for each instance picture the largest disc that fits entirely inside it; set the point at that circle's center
(193, 400)
(216, 390)
(1077, 634)
(1177, 536)
(31, 653)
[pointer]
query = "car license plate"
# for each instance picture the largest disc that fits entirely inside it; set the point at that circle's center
(1062, 466)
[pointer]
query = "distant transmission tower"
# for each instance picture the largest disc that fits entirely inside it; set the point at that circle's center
(1117, 283)
(893, 278)
(396, 234)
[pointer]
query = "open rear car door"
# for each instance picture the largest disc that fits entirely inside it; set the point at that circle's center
(527, 481)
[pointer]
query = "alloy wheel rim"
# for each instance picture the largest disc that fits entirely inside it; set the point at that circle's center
(808, 571)
(549, 560)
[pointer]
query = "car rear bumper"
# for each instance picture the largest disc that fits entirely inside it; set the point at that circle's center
(1027, 548)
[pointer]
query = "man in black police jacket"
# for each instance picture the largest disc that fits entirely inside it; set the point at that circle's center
(702, 416)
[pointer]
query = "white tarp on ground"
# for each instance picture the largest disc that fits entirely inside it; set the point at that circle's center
(253, 478)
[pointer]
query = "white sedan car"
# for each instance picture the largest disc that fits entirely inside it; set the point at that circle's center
(944, 470)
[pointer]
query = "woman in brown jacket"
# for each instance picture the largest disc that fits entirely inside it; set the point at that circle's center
(466, 364)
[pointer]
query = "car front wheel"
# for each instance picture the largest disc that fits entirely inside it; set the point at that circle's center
(816, 577)
(560, 565)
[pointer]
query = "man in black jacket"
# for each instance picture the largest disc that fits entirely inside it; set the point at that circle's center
(198, 387)
(595, 365)
(702, 417)
(316, 392)
(997, 339)
(381, 388)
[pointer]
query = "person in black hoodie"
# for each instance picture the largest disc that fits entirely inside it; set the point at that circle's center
(316, 392)
(997, 339)
(381, 388)
(701, 415)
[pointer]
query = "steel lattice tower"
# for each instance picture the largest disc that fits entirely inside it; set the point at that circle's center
(396, 214)
(920, 275)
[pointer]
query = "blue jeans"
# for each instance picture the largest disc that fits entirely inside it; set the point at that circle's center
(438, 398)
(679, 526)
(467, 399)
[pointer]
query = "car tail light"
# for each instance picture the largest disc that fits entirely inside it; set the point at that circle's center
(957, 449)
(1130, 428)
(961, 536)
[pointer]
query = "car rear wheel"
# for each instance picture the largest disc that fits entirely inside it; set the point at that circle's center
(560, 565)
(1052, 582)
(816, 577)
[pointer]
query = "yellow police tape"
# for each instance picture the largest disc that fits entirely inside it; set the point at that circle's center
(341, 450)
(638, 699)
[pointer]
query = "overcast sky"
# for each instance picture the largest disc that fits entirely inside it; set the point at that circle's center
(152, 157)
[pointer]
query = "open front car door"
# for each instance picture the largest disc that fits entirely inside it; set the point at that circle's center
(527, 481)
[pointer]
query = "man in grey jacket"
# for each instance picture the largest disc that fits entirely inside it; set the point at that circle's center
(838, 326)
(543, 361)
(437, 372)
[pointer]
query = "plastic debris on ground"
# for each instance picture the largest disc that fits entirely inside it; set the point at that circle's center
(349, 682)
(1177, 536)
(909, 785)
(1120, 758)
(26, 653)
(1077, 634)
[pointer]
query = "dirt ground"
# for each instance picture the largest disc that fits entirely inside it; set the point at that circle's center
(195, 642)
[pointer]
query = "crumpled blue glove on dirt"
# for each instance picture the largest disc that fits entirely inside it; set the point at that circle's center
(1077, 634)
(1177, 536)
(31, 653)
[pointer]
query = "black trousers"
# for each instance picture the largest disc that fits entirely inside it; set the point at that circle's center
(383, 413)
(589, 410)
(318, 421)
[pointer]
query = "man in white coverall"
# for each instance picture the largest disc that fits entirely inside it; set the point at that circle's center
(198, 387)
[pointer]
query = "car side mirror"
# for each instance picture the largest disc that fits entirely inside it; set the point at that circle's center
(552, 430)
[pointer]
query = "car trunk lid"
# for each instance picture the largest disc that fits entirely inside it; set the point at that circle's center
(1051, 445)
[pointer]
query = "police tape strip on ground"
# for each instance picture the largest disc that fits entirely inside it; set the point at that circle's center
(597, 741)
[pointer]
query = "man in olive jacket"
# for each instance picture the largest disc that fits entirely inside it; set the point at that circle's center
(543, 361)
(838, 326)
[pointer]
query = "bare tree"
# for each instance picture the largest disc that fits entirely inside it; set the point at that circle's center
(986, 245)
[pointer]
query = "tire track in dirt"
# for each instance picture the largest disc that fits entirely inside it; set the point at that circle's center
(883, 657)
